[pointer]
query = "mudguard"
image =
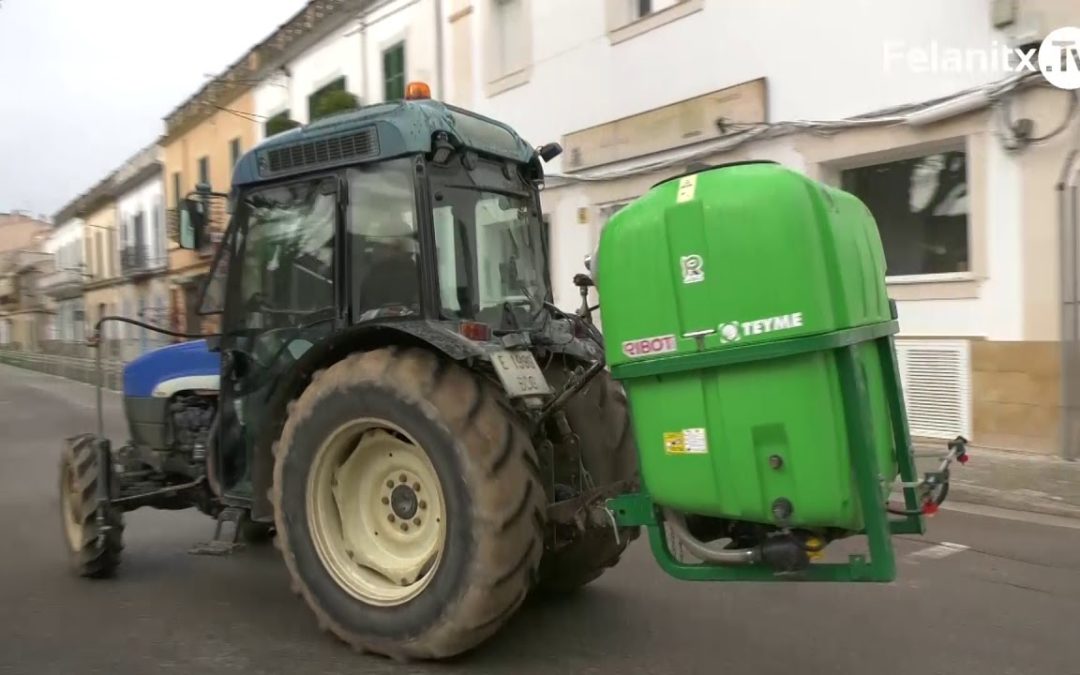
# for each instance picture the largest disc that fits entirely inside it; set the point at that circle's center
(153, 378)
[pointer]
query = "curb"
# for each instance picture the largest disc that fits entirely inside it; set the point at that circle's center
(968, 493)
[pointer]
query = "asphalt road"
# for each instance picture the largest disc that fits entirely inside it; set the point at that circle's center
(1002, 597)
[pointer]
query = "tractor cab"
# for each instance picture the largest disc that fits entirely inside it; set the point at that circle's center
(403, 222)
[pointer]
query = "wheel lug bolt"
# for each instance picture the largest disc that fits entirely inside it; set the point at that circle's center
(416, 487)
(385, 500)
(390, 484)
(404, 527)
(402, 478)
(423, 504)
(416, 521)
(390, 517)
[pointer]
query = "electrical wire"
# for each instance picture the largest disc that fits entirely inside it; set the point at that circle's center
(759, 131)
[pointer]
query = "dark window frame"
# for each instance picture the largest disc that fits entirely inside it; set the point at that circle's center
(920, 239)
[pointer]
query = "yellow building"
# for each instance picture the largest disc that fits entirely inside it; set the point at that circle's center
(202, 143)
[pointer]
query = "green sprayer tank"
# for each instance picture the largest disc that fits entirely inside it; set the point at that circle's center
(726, 297)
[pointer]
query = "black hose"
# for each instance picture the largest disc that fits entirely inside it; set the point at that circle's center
(151, 327)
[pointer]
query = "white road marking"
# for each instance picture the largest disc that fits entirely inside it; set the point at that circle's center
(942, 550)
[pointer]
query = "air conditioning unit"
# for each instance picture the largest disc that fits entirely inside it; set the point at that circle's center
(936, 377)
(1019, 21)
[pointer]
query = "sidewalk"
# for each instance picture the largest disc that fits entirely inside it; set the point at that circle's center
(1035, 483)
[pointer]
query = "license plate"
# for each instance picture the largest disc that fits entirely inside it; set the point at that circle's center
(520, 374)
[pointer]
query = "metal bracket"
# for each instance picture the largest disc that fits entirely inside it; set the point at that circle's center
(224, 542)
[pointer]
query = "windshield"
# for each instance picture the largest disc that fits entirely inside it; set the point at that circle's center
(491, 245)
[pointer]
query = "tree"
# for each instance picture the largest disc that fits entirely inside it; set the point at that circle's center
(279, 123)
(333, 102)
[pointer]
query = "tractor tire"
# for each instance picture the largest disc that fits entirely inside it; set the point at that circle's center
(89, 554)
(599, 417)
(460, 452)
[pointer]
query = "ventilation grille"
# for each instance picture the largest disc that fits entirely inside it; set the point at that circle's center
(323, 152)
(937, 387)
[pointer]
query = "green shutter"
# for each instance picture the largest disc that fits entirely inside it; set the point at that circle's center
(394, 72)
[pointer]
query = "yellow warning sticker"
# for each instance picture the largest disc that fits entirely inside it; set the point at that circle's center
(674, 443)
(685, 442)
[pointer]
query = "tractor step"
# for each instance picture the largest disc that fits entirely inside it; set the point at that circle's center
(226, 540)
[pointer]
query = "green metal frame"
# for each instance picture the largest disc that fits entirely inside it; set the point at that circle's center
(638, 509)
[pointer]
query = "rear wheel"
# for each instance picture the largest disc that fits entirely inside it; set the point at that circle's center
(408, 504)
(93, 550)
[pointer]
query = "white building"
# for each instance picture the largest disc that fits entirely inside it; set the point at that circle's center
(142, 243)
(372, 52)
(639, 90)
(64, 284)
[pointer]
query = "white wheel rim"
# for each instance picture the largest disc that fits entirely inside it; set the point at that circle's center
(376, 512)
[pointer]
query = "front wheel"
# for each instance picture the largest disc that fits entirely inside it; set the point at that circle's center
(93, 533)
(408, 504)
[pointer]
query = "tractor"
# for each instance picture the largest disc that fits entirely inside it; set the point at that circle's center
(395, 400)
(393, 396)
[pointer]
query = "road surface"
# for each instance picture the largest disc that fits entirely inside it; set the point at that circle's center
(979, 595)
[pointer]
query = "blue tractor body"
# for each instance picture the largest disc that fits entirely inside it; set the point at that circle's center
(153, 381)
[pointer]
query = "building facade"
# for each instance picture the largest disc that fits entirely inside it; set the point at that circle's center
(368, 48)
(24, 314)
(966, 200)
(140, 199)
(201, 144)
(63, 284)
(102, 290)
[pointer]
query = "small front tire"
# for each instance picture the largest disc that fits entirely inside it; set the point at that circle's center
(93, 550)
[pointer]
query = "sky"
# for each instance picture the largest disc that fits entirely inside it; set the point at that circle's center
(85, 84)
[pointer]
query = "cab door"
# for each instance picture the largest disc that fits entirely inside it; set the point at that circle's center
(280, 299)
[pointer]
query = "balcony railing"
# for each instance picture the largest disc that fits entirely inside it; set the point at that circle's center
(136, 261)
(63, 283)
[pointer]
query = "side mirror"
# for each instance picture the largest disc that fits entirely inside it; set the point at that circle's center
(549, 151)
(588, 263)
(192, 224)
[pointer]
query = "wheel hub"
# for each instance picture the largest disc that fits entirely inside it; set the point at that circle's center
(403, 502)
(376, 511)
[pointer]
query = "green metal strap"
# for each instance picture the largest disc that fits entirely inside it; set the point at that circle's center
(769, 350)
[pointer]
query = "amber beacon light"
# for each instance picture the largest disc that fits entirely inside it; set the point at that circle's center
(415, 91)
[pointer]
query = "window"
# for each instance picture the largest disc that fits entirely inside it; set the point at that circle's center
(507, 28)
(393, 68)
(285, 244)
(313, 100)
(643, 8)
(630, 18)
(383, 240)
(204, 170)
(921, 209)
(157, 234)
(99, 256)
(490, 246)
(177, 194)
(234, 152)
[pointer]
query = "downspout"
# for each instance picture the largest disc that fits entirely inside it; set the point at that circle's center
(440, 92)
(1068, 214)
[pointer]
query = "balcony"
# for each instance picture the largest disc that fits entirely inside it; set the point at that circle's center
(62, 284)
(136, 262)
